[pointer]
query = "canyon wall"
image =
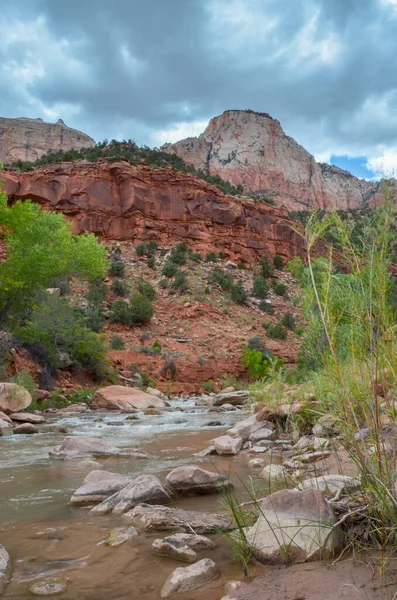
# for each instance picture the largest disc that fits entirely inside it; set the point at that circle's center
(29, 139)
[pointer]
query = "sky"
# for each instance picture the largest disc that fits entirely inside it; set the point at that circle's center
(158, 70)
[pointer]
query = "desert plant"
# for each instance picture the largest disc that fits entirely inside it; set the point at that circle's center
(279, 288)
(288, 321)
(117, 343)
(146, 289)
(220, 277)
(140, 309)
(117, 268)
(119, 288)
(278, 262)
(260, 288)
(169, 268)
(180, 283)
(238, 293)
(266, 268)
(266, 307)
(277, 332)
(211, 257)
(151, 263)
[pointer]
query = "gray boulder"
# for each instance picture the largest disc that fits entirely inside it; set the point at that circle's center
(174, 548)
(262, 434)
(185, 579)
(97, 486)
(24, 417)
(26, 428)
(330, 483)
(163, 518)
(196, 542)
(5, 567)
(117, 536)
(13, 397)
(83, 447)
(192, 479)
(144, 489)
(233, 398)
(225, 445)
(247, 427)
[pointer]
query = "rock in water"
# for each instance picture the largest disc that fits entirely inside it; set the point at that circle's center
(226, 445)
(164, 518)
(174, 548)
(246, 427)
(5, 567)
(13, 397)
(144, 489)
(191, 479)
(185, 579)
(274, 473)
(83, 447)
(329, 483)
(118, 397)
(293, 526)
(48, 588)
(27, 428)
(196, 542)
(233, 398)
(24, 417)
(97, 486)
(117, 536)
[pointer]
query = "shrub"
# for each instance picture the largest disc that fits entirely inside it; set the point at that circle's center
(280, 288)
(195, 257)
(238, 293)
(151, 248)
(140, 310)
(241, 266)
(255, 343)
(178, 254)
(119, 288)
(222, 278)
(117, 268)
(260, 288)
(120, 312)
(266, 268)
(25, 379)
(257, 366)
(208, 386)
(151, 263)
(169, 269)
(288, 321)
(146, 289)
(277, 332)
(266, 307)
(180, 282)
(117, 343)
(211, 257)
(278, 261)
(140, 249)
(222, 255)
(95, 309)
(156, 346)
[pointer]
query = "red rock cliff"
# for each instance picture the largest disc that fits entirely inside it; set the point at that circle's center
(118, 201)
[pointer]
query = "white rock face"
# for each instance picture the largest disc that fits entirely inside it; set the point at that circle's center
(274, 473)
(145, 488)
(293, 525)
(251, 149)
(97, 486)
(225, 445)
(185, 579)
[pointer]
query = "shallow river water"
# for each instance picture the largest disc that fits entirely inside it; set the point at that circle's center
(47, 538)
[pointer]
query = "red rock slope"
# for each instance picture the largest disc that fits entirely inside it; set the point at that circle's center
(122, 202)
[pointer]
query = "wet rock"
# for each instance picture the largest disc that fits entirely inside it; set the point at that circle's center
(155, 392)
(245, 428)
(197, 542)
(5, 418)
(164, 518)
(117, 536)
(256, 463)
(76, 407)
(214, 424)
(206, 401)
(97, 486)
(27, 418)
(293, 525)
(118, 397)
(83, 447)
(26, 428)
(234, 398)
(259, 449)
(146, 489)
(13, 398)
(191, 479)
(132, 418)
(174, 548)
(48, 588)
(262, 434)
(226, 445)
(152, 411)
(5, 567)
(330, 483)
(274, 473)
(228, 407)
(206, 452)
(185, 579)
(4, 424)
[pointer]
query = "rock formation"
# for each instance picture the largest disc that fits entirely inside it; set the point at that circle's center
(250, 148)
(29, 139)
(119, 201)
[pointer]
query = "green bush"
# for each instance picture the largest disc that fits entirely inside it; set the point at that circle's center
(117, 343)
(141, 309)
(288, 321)
(117, 268)
(169, 269)
(96, 304)
(222, 278)
(148, 249)
(156, 346)
(260, 288)
(146, 289)
(241, 266)
(222, 255)
(195, 257)
(119, 288)
(277, 332)
(140, 249)
(208, 386)
(278, 261)
(266, 268)
(211, 257)
(25, 379)
(238, 293)
(178, 255)
(256, 365)
(151, 263)
(280, 288)
(266, 307)
(120, 312)
(180, 283)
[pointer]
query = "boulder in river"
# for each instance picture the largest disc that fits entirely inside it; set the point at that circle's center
(83, 447)
(226, 445)
(262, 434)
(164, 518)
(48, 587)
(5, 567)
(294, 526)
(119, 397)
(233, 398)
(145, 488)
(246, 427)
(197, 542)
(118, 535)
(191, 479)
(26, 428)
(13, 397)
(174, 548)
(330, 483)
(97, 486)
(185, 579)
(24, 417)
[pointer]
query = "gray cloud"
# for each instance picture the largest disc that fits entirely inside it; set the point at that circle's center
(325, 68)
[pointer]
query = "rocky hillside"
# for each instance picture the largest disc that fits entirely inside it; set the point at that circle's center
(28, 139)
(119, 201)
(251, 149)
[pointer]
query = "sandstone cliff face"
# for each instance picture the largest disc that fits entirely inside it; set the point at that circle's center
(29, 139)
(122, 202)
(249, 148)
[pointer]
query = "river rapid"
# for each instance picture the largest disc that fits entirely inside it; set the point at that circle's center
(47, 538)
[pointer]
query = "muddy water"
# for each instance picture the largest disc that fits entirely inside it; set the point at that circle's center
(47, 538)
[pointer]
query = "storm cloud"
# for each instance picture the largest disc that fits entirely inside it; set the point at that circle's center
(160, 69)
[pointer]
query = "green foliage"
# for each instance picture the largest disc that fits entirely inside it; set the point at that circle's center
(95, 309)
(279, 288)
(277, 332)
(211, 257)
(238, 293)
(146, 289)
(260, 288)
(241, 266)
(178, 255)
(148, 249)
(296, 266)
(169, 269)
(222, 255)
(117, 343)
(40, 250)
(195, 257)
(266, 268)
(222, 278)
(266, 307)
(156, 346)
(288, 321)
(117, 268)
(120, 288)
(278, 262)
(138, 312)
(120, 312)
(180, 283)
(256, 365)
(55, 328)
(151, 263)
(25, 379)
(140, 249)
(208, 386)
